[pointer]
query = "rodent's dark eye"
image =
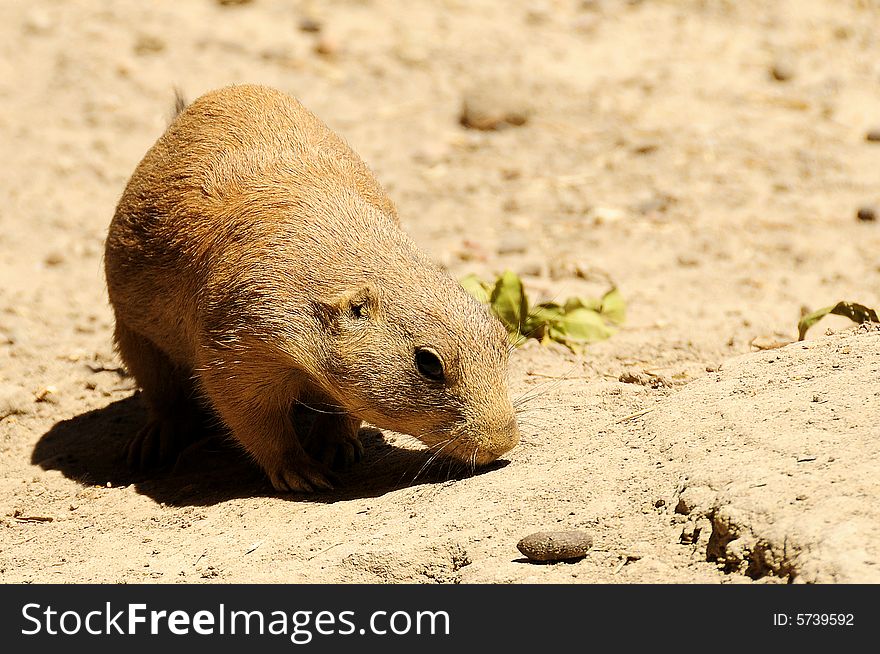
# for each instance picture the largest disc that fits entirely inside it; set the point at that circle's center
(429, 364)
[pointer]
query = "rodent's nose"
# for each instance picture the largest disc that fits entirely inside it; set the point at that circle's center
(508, 438)
(500, 441)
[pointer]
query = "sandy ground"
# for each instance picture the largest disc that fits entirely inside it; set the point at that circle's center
(709, 157)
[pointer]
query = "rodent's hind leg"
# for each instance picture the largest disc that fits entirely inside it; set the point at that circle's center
(175, 417)
(331, 433)
(264, 427)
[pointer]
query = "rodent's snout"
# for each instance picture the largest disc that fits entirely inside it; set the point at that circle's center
(496, 442)
(477, 445)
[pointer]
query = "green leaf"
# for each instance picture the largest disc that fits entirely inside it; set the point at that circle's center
(613, 307)
(546, 312)
(476, 287)
(540, 318)
(579, 302)
(578, 328)
(855, 312)
(509, 302)
(576, 323)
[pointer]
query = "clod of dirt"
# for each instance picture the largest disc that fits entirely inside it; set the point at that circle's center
(13, 401)
(644, 379)
(547, 546)
(492, 108)
(873, 135)
(867, 213)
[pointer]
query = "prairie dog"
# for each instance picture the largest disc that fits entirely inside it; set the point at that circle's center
(255, 265)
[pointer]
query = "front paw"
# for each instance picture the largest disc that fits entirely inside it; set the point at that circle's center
(301, 475)
(338, 453)
(333, 440)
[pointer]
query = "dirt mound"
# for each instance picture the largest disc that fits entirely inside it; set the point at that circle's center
(780, 452)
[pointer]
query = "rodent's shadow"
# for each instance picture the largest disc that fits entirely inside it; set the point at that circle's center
(90, 448)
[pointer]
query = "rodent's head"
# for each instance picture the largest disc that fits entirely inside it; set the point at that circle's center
(425, 359)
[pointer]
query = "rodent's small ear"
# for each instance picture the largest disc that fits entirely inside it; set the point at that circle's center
(360, 303)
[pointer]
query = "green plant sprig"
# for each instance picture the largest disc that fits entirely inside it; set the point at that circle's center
(576, 323)
(855, 312)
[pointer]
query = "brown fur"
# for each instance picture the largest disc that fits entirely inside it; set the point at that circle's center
(255, 262)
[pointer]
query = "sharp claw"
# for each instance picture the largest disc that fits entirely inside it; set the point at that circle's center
(303, 477)
(340, 454)
(322, 481)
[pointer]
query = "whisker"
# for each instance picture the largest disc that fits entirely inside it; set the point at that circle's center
(542, 388)
(434, 455)
(310, 407)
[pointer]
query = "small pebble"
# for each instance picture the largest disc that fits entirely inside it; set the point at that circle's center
(309, 25)
(147, 44)
(867, 214)
(38, 22)
(547, 546)
(431, 153)
(510, 205)
(512, 244)
(54, 258)
(531, 269)
(690, 533)
(653, 202)
(781, 71)
(537, 15)
(492, 108)
(873, 135)
(412, 54)
(326, 47)
(48, 394)
(605, 215)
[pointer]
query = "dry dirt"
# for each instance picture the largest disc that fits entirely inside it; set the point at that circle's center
(709, 157)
